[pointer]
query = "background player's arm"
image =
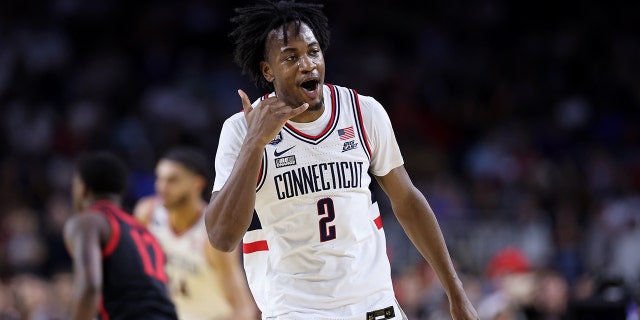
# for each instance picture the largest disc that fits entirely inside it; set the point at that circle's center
(143, 209)
(420, 224)
(234, 282)
(82, 235)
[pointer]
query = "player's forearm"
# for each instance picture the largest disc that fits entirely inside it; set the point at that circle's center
(229, 212)
(85, 303)
(247, 313)
(420, 224)
(243, 306)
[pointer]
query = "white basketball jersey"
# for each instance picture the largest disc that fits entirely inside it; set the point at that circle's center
(195, 286)
(316, 248)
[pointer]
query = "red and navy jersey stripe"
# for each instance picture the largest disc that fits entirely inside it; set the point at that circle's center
(331, 126)
(259, 244)
(262, 176)
(355, 103)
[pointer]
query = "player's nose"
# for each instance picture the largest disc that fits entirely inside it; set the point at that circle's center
(306, 63)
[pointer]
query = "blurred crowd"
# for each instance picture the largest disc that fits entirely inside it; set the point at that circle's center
(517, 120)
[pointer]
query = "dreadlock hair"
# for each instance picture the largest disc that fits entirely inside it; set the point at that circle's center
(255, 22)
(103, 173)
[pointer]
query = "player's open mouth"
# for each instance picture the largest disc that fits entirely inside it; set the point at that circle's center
(310, 88)
(310, 85)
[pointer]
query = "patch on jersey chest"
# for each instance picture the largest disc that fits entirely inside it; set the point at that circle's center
(285, 161)
(386, 313)
(346, 133)
(349, 145)
(276, 140)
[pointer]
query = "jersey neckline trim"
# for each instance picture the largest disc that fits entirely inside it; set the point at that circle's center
(333, 122)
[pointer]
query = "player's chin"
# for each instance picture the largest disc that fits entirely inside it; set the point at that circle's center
(315, 102)
(315, 105)
(167, 202)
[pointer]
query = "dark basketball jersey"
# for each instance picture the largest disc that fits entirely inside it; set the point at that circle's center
(134, 281)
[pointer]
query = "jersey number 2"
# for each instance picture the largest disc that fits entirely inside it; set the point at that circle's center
(325, 209)
(146, 246)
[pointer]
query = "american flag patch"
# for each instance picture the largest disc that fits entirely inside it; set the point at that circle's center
(346, 133)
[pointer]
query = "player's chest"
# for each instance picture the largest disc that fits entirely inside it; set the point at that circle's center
(288, 151)
(292, 167)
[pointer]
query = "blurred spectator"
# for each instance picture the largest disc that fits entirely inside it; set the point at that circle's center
(420, 293)
(32, 297)
(551, 298)
(8, 310)
(511, 286)
(624, 261)
(57, 211)
(534, 232)
(25, 249)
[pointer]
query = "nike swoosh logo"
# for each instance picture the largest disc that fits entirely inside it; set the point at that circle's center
(277, 154)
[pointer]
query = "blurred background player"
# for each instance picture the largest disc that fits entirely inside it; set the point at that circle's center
(118, 265)
(205, 283)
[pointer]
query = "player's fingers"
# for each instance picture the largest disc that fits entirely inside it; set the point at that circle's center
(246, 103)
(296, 111)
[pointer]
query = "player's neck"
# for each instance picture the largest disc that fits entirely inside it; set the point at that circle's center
(184, 216)
(309, 115)
(91, 200)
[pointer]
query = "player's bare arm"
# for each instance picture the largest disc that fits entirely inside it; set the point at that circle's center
(82, 235)
(233, 281)
(420, 224)
(228, 215)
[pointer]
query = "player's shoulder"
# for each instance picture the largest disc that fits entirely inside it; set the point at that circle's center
(144, 208)
(235, 120)
(236, 116)
(363, 100)
(85, 222)
(369, 103)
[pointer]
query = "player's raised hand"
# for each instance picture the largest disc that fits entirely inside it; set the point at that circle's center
(268, 117)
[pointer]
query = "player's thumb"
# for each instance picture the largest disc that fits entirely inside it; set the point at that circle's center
(246, 103)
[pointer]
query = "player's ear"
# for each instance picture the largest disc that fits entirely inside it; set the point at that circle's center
(267, 73)
(84, 191)
(201, 182)
(81, 190)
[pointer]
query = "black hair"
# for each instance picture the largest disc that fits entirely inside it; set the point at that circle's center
(191, 158)
(103, 173)
(255, 22)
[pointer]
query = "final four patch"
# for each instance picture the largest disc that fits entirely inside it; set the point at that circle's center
(276, 140)
(349, 145)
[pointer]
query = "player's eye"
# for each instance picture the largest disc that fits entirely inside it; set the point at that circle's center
(290, 58)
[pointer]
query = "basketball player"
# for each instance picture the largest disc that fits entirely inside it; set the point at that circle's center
(205, 283)
(118, 265)
(292, 179)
